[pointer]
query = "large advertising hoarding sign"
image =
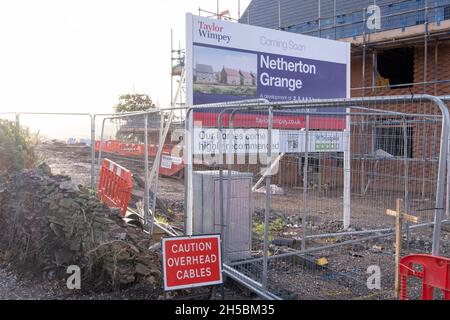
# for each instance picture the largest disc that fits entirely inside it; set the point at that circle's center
(227, 61)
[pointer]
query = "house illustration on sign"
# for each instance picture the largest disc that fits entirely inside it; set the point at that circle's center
(246, 78)
(204, 73)
(253, 78)
(230, 76)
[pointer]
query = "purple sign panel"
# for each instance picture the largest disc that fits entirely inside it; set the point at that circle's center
(284, 78)
(223, 74)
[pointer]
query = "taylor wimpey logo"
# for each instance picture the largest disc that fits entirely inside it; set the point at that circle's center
(213, 31)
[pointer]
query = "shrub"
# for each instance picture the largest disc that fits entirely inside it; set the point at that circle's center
(16, 147)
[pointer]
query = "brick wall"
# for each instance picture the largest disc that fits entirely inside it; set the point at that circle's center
(442, 72)
(425, 142)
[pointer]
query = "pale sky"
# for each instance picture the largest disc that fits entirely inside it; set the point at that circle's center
(80, 55)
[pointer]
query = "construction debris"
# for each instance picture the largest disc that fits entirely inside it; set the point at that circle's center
(322, 261)
(274, 189)
(160, 204)
(48, 224)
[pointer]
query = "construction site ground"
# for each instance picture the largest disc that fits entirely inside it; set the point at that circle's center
(297, 280)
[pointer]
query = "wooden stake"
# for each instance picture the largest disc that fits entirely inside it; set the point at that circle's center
(398, 246)
(399, 216)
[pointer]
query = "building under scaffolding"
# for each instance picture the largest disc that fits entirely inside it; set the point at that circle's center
(398, 47)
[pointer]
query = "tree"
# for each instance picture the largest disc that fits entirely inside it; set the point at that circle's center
(134, 102)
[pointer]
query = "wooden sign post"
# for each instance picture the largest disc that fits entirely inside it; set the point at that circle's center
(399, 216)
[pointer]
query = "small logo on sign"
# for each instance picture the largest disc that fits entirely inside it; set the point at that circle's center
(213, 31)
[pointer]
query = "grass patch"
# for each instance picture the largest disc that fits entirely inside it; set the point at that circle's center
(275, 227)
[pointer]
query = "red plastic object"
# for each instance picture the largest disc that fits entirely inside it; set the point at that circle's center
(114, 185)
(435, 274)
(168, 168)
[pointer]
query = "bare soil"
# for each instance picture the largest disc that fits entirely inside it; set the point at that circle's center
(344, 274)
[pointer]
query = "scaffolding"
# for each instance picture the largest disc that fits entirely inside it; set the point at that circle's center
(177, 99)
(402, 23)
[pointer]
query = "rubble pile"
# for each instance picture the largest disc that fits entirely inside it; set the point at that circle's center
(49, 223)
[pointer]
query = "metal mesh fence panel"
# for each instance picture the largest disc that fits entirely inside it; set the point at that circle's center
(129, 140)
(132, 141)
(62, 141)
(321, 177)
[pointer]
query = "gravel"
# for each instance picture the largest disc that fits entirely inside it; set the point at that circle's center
(14, 288)
(351, 260)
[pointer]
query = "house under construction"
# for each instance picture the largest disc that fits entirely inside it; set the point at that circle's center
(398, 48)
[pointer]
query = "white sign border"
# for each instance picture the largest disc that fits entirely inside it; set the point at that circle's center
(202, 284)
(189, 57)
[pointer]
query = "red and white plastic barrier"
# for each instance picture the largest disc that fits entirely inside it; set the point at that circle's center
(115, 185)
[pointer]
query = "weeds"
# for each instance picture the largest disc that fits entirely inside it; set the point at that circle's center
(16, 147)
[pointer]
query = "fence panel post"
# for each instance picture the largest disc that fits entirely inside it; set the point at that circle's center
(188, 154)
(148, 217)
(440, 190)
(267, 199)
(92, 152)
(347, 173)
(305, 183)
